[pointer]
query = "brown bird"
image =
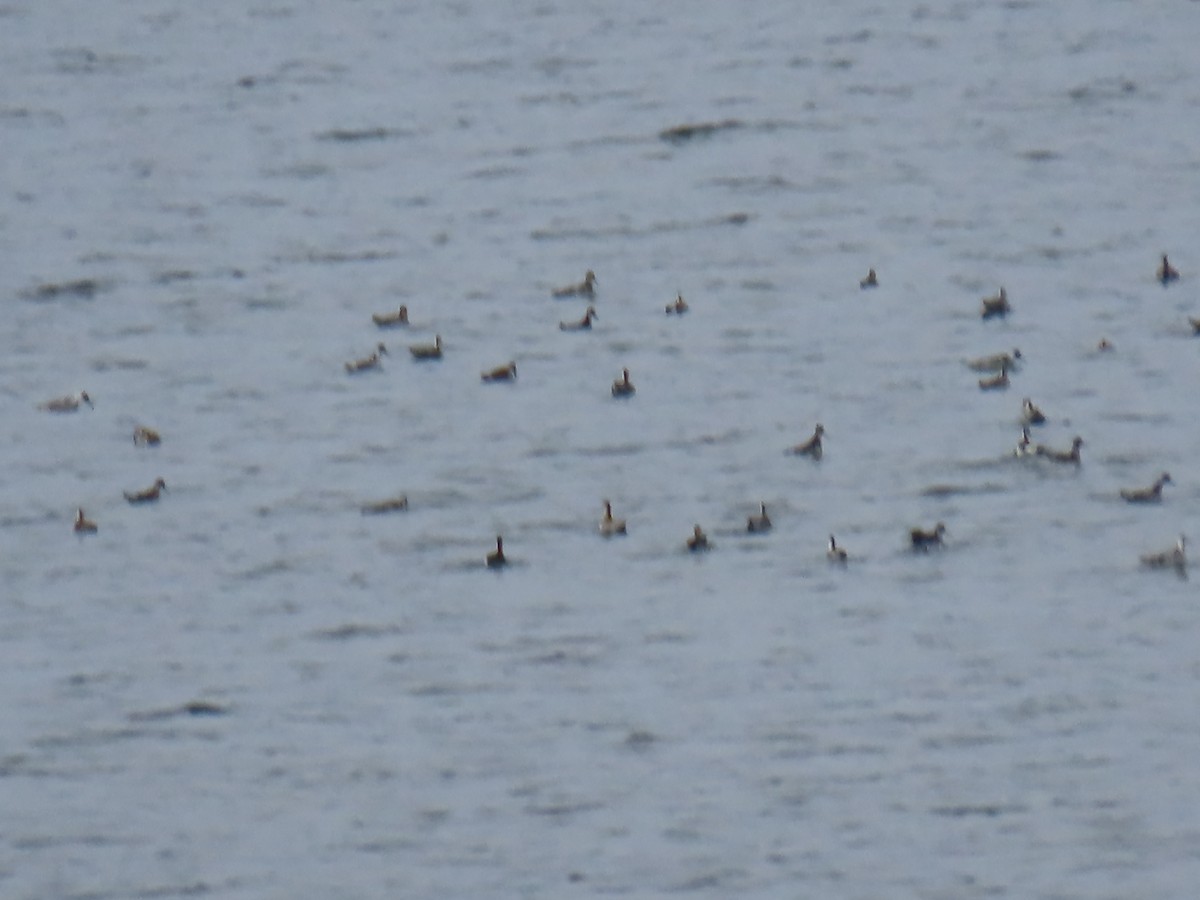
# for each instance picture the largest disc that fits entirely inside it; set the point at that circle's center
(427, 351)
(496, 559)
(501, 373)
(367, 362)
(835, 553)
(623, 387)
(149, 495)
(679, 307)
(1152, 494)
(698, 541)
(870, 281)
(761, 522)
(995, 306)
(610, 526)
(1166, 272)
(145, 436)
(1062, 456)
(923, 540)
(585, 288)
(583, 324)
(84, 525)
(66, 404)
(812, 447)
(391, 320)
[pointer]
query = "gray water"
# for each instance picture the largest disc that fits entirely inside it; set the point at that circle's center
(250, 689)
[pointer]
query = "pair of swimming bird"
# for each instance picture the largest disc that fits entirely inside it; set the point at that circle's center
(84, 525)
(419, 351)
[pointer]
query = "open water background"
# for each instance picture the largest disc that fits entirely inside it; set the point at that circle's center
(251, 690)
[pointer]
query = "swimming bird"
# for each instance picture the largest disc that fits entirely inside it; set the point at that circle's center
(67, 404)
(1173, 558)
(1195, 323)
(427, 351)
(391, 320)
(392, 504)
(996, 382)
(761, 522)
(84, 525)
(623, 387)
(679, 307)
(149, 495)
(585, 288)
(835, 553)
(1152, 494)
(1105, 345)
(995, 306)
(496, 558)
(610, 526)
(1166, 272)
(367, 362)
(698, 541)
(1030, 414)
(146, 437)
(870, 281)
(501, 373)
(583, 324)
(995, 362)
(923, 540)
(1062, 456)
(812, 447)
(1025, 444)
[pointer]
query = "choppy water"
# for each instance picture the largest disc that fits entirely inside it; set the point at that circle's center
(252, 690)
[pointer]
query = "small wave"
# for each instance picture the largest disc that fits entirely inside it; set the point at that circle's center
(678, 134)
(191, 708)
(356, 630)
(357, 135)
(82, 288)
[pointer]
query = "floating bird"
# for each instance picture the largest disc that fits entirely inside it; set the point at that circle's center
(495, 559)
(623, 387)
(811, 447)
(583, 324)
(1195, 323)
(870, 281)
(367, 362)
(501, 373)
(1166, 272)
(997, 382)
(585, 288)
(145, 436)
(610, 526)
(995, 306)
(761, 522)
(66, 404)
(149, 495)
(392, 504)
(679, 307)
(1152, 494)
(995, 361)
(923, 540)
(698, 541)
(1030, 414)
(835, 553)
(1062, 456)
(391, 320)
(1105, 345)
(1168, 559)
(427, 351)
(1025, 444)
(84, 525)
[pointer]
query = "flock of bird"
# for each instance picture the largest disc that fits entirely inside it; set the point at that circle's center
(998, 367)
